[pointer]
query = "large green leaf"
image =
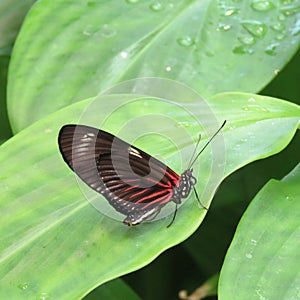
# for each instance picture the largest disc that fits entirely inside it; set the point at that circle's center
(115, 289)
(5, 131)
(262, 261)
(70, 50)
(230, 202)
(54, 242)
(12, 13)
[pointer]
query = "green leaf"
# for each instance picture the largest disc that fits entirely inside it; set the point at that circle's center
(115, 289)
(5, 131)
(85, 46)
(230, 202)
(54, 242)
(12, 13)
(262, 260)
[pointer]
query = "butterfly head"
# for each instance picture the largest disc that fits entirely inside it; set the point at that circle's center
(185, 185)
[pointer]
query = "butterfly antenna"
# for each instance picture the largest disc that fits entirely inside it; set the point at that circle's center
(195, 149)
(193, 161)
(174, 216)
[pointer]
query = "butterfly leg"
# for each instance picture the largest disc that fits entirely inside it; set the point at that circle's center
(174, 216)
(199, 199)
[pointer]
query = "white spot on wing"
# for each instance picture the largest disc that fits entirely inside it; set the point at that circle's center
(88, 137)
(134, 152)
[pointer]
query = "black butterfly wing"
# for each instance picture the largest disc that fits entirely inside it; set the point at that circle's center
(134, 183)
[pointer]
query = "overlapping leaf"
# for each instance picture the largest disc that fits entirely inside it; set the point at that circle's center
(70, 50)
(262, 260)
(53, 242)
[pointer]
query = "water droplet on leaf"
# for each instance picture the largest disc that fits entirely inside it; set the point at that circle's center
(106, 31)
(296, 28)
(242, 50)
(182, 124)
(223, 27)
(247, 40)
(186, 41)
(262, 5)
(280, 37)
(281, 17)
(124, 54)
(256, 28)
(157, 6)
(254, 107)
(168, 68)
(253, 242)
(43, 296)
(279, 27)
(230, 11)
(289, 10)
(271, 49)
(23, 286)
(89, 30)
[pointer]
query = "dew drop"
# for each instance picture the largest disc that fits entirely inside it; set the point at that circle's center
(182, 124)
(256, 28)
(271, 49)
(296, 28)
(89, 30)
(279, 27)
(168, 68)
(262, 5)
(281, 17)
(276, 71)
(124, 54)
(186, 41)
(247, 40)
(23, 286)
(107, 32)
(254, 107)
(249, 255)
(231, 11)
(223, 27)
(242, 50)
(253, 242)
(288, 198)
(289, 10)
(43, 296)
(280, 37)
(157, 6)
(251, 100)
(132, 1)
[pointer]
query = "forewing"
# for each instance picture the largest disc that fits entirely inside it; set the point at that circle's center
(135, 183)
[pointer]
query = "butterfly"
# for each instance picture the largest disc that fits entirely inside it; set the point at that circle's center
(135, 183)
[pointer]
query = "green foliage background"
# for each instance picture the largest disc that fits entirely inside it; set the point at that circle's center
(34, 201)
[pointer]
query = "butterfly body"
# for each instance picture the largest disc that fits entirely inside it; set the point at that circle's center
(134, 183)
